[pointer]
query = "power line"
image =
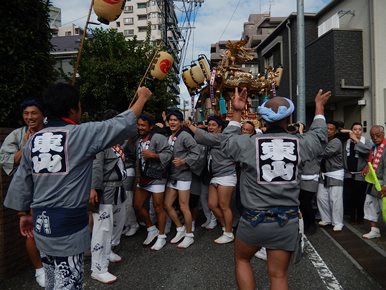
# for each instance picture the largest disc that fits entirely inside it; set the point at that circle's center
(226, 27)
(72, 21)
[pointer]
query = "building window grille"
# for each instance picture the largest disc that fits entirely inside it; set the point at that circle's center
(128, 21)
(128, 32)
(128, 9)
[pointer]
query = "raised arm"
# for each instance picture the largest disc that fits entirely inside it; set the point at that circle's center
(143, 96)
(321, 99)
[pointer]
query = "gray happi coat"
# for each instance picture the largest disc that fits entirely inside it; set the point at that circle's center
(221, 164)
(108, 174)
(362, 150)
(265, 181)
(333, 157)
(12, 143)
(158, 144)
(310, 169)
(185, 147)
(55, 173)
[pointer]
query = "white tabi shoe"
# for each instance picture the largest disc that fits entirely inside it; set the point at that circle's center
(225, 238)
(187, 241)
(114, 258)
(132, 231)
(106, 278)
(180, 234)
(40, 277)
(152, 233)
(374, 233)
(212, 223)
(206, 223)
(160, 243)
(261, 254)
(323, 223)
(337, 228)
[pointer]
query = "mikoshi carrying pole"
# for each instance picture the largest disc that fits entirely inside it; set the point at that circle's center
(81, 45)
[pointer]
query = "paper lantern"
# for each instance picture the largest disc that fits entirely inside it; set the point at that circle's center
(204, 64)
(108, 10)
(161, 65)
(188, 80)
(197, 74)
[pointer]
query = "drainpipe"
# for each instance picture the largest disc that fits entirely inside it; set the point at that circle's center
(372, 62)
(289, 58)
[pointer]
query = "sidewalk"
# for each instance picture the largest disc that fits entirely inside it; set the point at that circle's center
(362, 228)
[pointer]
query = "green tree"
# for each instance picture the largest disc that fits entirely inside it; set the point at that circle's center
(110, 71)
(26, 67)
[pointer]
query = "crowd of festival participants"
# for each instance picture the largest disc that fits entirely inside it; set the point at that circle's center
(112, 176)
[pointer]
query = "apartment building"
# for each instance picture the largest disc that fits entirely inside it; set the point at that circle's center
(55, 19)
(140, 16)
(344, 52)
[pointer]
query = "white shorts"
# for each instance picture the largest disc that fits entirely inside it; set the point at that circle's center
(153, 188)
(372, 208)
(179, 185)
(229, 180)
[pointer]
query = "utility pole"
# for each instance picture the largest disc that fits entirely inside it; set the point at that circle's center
(184, 110)
(166, 6)
(301, 75)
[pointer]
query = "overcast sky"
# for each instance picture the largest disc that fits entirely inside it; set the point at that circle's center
(216, 19)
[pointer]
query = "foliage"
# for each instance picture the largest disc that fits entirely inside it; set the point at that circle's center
(26, 65)
(110, 71)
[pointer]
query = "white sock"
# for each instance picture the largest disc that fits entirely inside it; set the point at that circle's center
(39, 271)
(152, 228)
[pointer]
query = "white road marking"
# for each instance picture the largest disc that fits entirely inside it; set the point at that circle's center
(324, 272)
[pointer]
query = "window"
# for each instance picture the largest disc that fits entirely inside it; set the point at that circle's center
(153, 15)
(128, 21)
(154, 27)
(128, 32)
(118, 24)
(67, 33)
(141, 5)
(128, 9)
(142, 17)
(142, 29)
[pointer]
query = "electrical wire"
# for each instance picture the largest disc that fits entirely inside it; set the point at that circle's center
(72, 21)
(226, 27)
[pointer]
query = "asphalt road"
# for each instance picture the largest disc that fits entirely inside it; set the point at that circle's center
(206, 265)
